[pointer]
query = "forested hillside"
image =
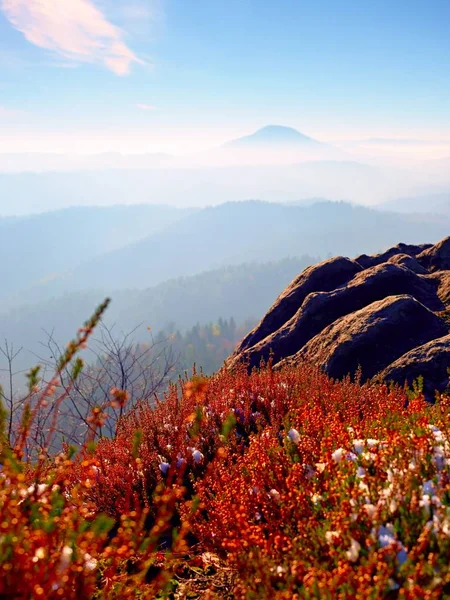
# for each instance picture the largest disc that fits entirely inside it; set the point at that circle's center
(242, 292)
(243, 231)
(205, 346)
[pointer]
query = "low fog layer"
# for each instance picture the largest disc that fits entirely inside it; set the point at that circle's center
(276, 164)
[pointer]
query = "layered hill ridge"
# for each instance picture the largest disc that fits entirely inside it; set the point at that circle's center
(386, 316)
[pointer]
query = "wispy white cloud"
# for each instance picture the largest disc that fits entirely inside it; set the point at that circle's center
(148, 107)
(74, 29)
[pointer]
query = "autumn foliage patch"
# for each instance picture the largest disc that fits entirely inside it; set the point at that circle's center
(276, 484)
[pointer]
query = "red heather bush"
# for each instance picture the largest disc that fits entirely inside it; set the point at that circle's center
(54, 542)
(309, 488)
(293, 485)
(352, 499)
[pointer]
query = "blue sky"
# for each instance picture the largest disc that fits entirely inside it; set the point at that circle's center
(93, 75)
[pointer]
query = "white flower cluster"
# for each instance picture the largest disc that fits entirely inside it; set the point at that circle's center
(362, 454)
(294, 436)
(386, 537)
(40, 492)
(196, 455)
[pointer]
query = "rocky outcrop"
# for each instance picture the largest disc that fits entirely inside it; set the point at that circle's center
(408, 249)
(368, 313)
(320, 309)
(443, 280)
(430, 361)
(436, 258)
(373, 337)
(410, 262)
(324, 277)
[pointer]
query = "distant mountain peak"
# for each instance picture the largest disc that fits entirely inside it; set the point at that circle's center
(271, 135)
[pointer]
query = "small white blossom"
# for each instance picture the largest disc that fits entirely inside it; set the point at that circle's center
(353, 552)
(360, 472)
(338, 455)
(440, 458)
(294, 436)
(274, 494)
(89, 563)
(197, 456)
(386, 535)
(437, 433)
(332, 536)
(367, 456)
(428, 501)
(371, 443)
(370, 509)
(358, 446)
(363, 487)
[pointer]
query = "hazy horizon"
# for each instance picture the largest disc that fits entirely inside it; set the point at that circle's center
(143, 97)
(179, 77)
(365, 148)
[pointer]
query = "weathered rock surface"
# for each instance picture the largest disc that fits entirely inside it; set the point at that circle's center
(371, 312)
(373, 337)
(408, 249)
(411, 263)
(325, 276)
(430, 361)
(443, 280)
(436, 258)
(320, 309)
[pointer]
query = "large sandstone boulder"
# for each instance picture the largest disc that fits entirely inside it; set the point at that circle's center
(320, 309)
(430, 361)
(373, 312)
(436, 258)
(410, 262)
(408, 249)
(373, 337)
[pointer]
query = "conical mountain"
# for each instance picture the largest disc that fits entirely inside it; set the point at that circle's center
(272, 135)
